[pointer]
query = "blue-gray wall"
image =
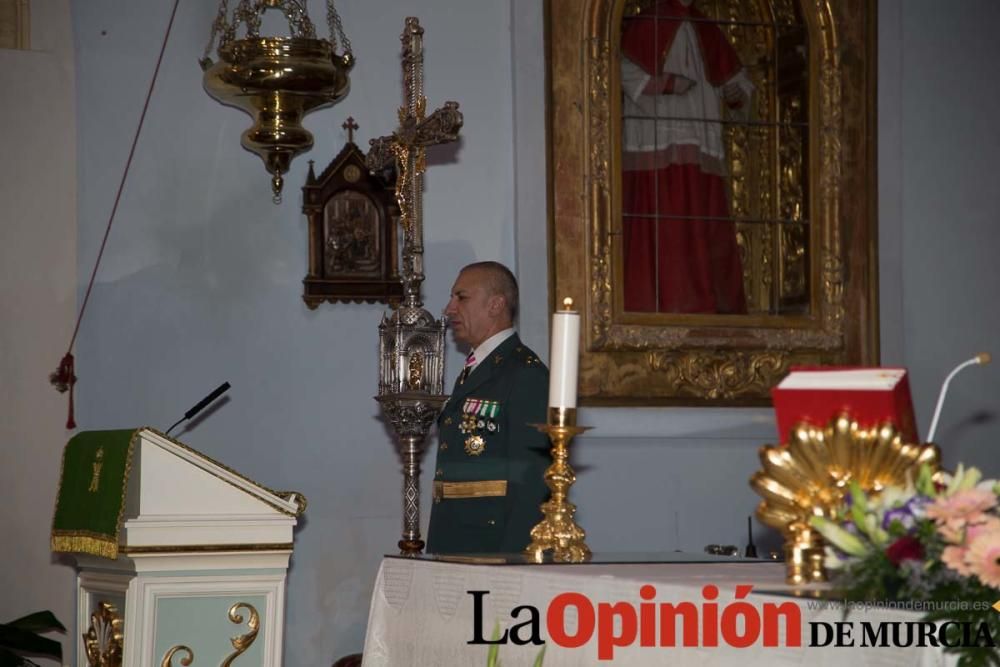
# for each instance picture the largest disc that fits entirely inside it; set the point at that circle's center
(201, 279)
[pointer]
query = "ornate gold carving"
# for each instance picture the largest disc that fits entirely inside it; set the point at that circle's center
(169, 656)
(810, 475)
(720, 376)
(598, 186)
(242, 642)
(814, 296)
(104, 640)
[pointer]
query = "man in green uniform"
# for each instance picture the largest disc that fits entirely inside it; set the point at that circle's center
(488, 481)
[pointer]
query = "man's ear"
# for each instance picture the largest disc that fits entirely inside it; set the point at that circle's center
(497, 304)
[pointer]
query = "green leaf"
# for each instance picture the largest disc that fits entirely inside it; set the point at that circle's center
(8, 659)
(541, 656)
(839, 537)
(41, 621)
(16, 639)
(858, 497)
(493, 655)
(925, 485)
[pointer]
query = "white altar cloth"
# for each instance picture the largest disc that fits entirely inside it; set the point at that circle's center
(422, 615)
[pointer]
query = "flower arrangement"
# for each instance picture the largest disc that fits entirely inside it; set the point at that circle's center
(936, 541)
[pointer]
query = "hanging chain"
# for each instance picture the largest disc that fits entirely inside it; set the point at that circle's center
(248, 13)
(218, 25)
(337, 28)
(298, 19)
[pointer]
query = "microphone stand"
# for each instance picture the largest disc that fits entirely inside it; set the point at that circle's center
(982, 359)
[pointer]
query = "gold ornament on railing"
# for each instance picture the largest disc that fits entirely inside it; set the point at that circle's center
(811, 475)
(168, 657)
(104, 640)
(240, 642)
(277, 80)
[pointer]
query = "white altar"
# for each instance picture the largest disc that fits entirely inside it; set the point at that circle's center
(422, 614)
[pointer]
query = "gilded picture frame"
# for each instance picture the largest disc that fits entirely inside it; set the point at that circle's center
(712, 359)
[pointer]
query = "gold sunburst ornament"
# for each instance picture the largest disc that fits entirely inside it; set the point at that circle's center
(277, 80)
(811, 475)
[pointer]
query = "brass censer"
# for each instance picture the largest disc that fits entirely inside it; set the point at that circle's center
(277, 80)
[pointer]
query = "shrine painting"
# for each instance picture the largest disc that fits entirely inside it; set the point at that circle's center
(353, 241)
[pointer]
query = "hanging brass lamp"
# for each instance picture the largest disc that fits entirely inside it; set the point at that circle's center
(277, 80)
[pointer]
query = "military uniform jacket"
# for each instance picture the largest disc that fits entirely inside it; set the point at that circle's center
(486, 439)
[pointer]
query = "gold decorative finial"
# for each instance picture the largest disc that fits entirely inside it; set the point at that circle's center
(568, 303)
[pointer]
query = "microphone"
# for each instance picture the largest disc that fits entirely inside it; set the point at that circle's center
(751, 551)
(201, 405)
(982, 359)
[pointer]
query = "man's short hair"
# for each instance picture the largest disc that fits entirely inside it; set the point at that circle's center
(499, 280)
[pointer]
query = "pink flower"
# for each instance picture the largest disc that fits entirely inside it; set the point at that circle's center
(953, 512)
(983, 557)
(988, 524)
(954, 557)
(965, 534)
(951, 535)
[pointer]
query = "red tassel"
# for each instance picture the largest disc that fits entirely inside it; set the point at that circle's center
(63, 379)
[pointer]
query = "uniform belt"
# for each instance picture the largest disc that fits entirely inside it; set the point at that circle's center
(482, 489)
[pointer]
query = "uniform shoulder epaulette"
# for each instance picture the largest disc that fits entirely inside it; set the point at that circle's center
(526, 357)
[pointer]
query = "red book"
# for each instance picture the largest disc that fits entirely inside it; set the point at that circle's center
(872, 396)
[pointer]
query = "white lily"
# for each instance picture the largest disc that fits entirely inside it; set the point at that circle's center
(838, 537)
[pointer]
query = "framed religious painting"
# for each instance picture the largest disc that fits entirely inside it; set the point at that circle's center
(352, 216)
(713, 170)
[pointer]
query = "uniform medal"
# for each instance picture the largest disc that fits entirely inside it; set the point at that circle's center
(478, 415)
(475, 445)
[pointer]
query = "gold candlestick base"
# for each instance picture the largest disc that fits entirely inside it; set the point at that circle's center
(558, 532)
(804, 559)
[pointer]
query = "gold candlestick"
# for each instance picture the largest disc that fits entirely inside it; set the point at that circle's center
(558, 531)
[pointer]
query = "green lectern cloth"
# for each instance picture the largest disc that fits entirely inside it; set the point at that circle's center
(91, 502)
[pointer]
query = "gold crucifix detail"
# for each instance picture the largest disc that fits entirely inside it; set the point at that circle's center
(406, 150)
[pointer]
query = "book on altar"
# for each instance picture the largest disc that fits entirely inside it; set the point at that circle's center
(817, 394)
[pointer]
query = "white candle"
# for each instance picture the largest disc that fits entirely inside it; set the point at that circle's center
(564, 357)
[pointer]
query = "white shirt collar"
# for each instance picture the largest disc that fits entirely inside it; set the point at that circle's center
(487, 346)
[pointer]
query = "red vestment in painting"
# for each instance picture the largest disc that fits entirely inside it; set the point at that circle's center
(680, 248)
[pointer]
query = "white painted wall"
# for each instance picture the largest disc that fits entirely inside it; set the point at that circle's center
(37, 302)
(202, 284)
(202, 275)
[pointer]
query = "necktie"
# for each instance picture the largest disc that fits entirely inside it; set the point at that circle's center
(470, 361)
